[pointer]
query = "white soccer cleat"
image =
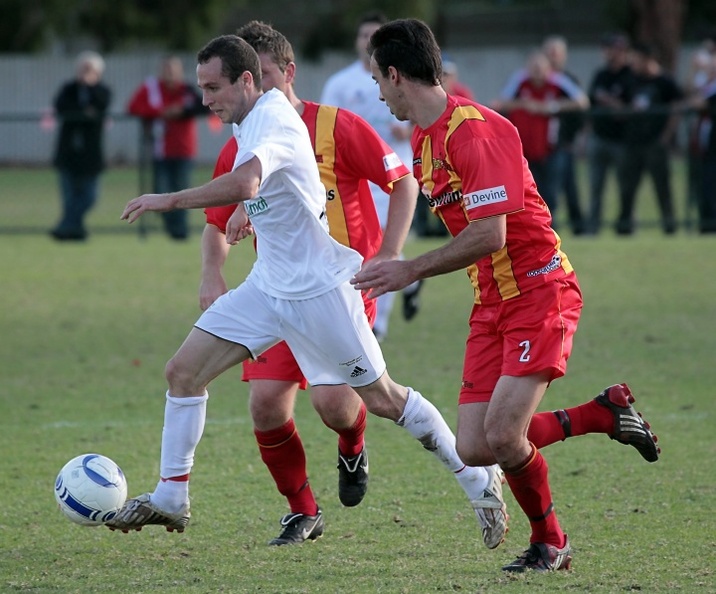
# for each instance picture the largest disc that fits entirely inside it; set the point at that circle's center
(491, 510)
(140, 511)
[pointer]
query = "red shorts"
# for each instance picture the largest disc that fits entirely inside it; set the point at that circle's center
(278, 363)
(529, 334)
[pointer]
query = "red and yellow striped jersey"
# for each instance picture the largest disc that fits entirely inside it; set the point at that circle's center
(470, 166)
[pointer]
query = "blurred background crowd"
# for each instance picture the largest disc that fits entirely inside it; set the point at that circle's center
(616, 88)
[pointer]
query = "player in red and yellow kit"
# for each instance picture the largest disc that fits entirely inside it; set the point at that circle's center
(468, 160)
(349, 153)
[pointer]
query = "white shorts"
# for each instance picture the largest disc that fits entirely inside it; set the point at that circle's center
(329, 335)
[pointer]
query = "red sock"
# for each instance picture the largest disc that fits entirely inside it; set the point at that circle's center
(282, 452)
(545, 428)
(549, 427)
(530, 487)
(352, 440)
(590, 417)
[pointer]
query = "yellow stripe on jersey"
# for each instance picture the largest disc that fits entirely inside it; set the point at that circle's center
(502, 271)
(325, 146)
(426, 159)
(457, 117)
(503, 274)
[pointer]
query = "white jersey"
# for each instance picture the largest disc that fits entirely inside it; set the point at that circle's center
(354, 89)
(296, 257)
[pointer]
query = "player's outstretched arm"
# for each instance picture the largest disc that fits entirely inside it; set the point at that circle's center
(477, 240)
(239, 185)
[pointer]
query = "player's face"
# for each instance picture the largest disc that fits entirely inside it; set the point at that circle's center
(389, 93)
(271, 75)
(229, 102)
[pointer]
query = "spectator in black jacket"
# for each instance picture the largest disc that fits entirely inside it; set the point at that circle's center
(81, 105)
(648, 134)
(608, 97)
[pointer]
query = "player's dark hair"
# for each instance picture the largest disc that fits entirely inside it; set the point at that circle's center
(410, 47)
(236, 56)
(266, 40)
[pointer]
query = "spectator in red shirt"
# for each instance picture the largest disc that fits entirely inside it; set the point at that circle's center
(451, 79)
(533, 100)
(168, 107)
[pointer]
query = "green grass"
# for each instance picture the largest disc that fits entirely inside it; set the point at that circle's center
(86, 330)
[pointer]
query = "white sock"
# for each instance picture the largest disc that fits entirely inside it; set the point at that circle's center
(473, 480)
(184, 420)
(425, 423)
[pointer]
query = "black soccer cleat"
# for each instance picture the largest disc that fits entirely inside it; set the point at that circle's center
(542, 557)
(629, 427)
(411, 301)
(352, 478)
(298, 528)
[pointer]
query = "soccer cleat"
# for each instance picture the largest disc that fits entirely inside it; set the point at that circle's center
(542, 557)
(491, 510)
(629, 427)
(140, 511)
(352, 478)
(298, 528)
(411, 301)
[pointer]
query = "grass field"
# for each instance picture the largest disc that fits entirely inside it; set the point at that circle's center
(86, 330)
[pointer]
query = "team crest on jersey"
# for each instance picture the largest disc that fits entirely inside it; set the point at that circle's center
(485, 197)
(391, 161)
(256, 206)
(441, 164)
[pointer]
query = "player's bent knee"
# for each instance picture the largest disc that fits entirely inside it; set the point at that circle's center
(503, 444)
(181, 381)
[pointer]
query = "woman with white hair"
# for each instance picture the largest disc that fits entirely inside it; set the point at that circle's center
(81, 104)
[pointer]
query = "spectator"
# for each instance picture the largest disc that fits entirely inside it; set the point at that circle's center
(699, 88)
(649, 131)
(702, 159)
(81, 105)
(533, 99)
(605, 147)
(354, 89)
(571, 122)
(168, 107)
(451, 79)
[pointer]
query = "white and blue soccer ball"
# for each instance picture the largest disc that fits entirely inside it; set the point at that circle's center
(90, 489)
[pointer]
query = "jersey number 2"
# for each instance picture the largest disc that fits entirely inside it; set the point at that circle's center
(525, 357)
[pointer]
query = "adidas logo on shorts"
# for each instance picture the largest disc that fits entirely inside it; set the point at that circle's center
(358, 371)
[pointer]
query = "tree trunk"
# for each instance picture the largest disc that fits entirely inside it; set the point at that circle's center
(660, 23)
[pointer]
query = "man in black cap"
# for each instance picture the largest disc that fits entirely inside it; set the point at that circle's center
(608, 96)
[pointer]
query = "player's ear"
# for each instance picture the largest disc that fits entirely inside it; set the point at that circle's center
(290, 72)
(247, 78)
(394, 75)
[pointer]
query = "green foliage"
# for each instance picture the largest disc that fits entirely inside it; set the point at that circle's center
(337, 28)
(86, 330)
(174, 24)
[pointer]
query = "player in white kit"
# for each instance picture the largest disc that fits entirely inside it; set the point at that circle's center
(298, 290)
(354, 89)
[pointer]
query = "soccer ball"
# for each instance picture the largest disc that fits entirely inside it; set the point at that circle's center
(90, 489)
